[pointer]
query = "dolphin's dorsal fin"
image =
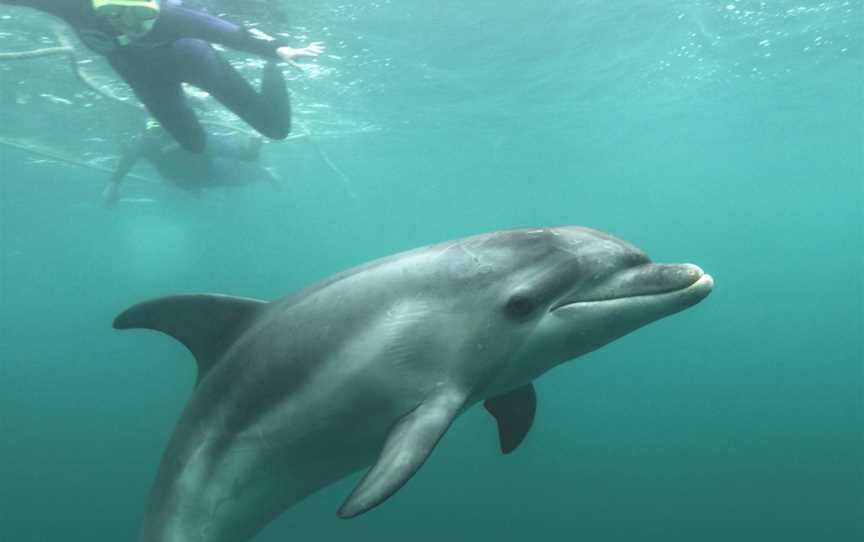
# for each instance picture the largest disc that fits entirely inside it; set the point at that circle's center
(207, 324)
(408, 445)
(514, 412)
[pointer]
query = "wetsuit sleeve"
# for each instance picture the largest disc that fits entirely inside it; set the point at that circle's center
(187, 23)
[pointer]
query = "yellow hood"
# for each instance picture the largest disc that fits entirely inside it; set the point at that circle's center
(152, 4)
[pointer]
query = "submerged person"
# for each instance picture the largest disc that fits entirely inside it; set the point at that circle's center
(156, 45)
(229, 160)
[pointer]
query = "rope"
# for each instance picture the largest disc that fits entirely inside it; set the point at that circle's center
(59, 157)
(36, 53)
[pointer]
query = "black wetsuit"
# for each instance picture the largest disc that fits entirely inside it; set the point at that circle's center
(178, 50)
(229, 160)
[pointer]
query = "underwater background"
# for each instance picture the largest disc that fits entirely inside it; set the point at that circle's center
(729, 134)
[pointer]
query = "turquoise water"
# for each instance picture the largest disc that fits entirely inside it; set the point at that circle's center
(727, 134)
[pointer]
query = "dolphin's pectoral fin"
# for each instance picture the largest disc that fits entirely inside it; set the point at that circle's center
(205, 323)
(514, 412)
(408, 445)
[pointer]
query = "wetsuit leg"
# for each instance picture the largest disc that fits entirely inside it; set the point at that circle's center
(269, 111)
(159, 88)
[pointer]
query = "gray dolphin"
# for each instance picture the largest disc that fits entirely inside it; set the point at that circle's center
(371, 366)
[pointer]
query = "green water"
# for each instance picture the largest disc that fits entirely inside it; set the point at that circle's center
(727, 134)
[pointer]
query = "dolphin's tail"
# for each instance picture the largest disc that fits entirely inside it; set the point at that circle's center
(206, 324)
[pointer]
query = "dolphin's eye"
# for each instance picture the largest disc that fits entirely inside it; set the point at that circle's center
(520, 305)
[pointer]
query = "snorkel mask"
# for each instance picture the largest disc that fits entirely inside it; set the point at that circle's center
(131, 18)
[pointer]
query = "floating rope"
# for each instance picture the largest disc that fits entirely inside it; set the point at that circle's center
(36, 53)
(25, 146)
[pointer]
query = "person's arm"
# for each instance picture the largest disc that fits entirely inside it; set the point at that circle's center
(182, 22)
(187, 23)
(274, 180)
(131, 154)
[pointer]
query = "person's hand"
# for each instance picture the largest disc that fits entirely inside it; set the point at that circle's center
(111, 194)
(275, 181)
(289, 54)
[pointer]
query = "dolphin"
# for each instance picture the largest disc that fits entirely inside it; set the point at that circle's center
(372, 365)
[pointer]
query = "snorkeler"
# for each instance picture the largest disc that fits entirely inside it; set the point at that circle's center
(156, 45)
(229, 160)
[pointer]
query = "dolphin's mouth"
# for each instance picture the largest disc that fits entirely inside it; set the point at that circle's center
(699, 285)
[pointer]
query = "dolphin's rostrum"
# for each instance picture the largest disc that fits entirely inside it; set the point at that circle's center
(377, 361)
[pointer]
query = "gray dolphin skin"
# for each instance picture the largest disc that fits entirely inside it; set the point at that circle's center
(372, 365)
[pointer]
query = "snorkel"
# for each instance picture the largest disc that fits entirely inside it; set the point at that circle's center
(132, 19)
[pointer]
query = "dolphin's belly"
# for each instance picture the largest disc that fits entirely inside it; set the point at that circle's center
(235, 484)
